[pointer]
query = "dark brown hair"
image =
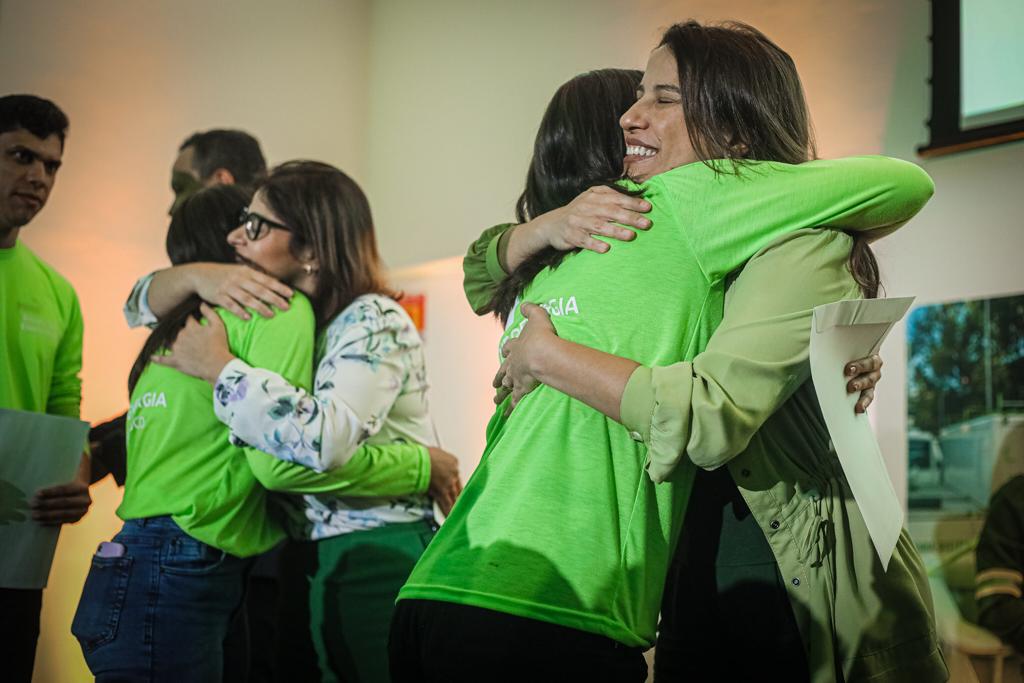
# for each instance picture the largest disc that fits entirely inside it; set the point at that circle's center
(234, 150)
(198, 232)
(579, 144)
(38, 116)
(328, 212)
(742, 100)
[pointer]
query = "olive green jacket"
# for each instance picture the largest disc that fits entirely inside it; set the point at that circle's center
(747, 403)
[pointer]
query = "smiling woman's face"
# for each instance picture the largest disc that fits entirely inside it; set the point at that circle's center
(655, 130)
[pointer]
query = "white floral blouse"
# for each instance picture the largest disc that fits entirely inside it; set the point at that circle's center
(370, 387)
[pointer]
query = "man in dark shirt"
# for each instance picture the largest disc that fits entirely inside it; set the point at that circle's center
(1000, 554)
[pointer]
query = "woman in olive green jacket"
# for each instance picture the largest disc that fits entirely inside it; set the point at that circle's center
(747, 403)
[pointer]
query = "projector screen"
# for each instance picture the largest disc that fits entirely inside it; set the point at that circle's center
(977, 79)
(991, 62)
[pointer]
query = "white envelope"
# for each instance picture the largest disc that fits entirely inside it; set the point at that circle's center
(840, 332)
(36, 450)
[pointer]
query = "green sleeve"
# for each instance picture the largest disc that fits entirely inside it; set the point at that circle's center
(709, 409)
(65, 396)
(284, 344)
(390, 470)
(481, 267)
(728, 217)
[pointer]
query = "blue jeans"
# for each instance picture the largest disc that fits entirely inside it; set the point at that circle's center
(161, 611)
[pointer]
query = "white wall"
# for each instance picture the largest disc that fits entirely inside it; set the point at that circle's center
(457, 89)
(461, 354)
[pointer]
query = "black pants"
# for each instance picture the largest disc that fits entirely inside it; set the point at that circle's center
(726, 615)
(450, 643)
(19, 631)
(251, 648)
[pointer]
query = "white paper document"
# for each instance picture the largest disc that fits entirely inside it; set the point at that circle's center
(36, 451)
(841, 332)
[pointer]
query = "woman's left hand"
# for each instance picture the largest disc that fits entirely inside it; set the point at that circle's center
(199, 350)
(864, 374)
(518, 373)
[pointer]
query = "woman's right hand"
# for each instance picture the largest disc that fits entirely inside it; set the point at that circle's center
(238, 287)
(597, 211)
(866, 373)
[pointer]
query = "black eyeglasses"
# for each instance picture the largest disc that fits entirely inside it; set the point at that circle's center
(257, 226)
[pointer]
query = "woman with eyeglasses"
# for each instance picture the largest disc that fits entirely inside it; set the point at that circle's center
(357, 442)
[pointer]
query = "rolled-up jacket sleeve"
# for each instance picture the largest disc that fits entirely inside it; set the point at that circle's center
(481, 268)
(709, 409)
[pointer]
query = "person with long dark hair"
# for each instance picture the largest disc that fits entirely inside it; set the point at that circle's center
(160, 596)
(366, 513)
(565, 581)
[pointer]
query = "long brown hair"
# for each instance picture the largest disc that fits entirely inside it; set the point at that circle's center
(328, 212)
(579, 144)
(198, 232)
(742, 101)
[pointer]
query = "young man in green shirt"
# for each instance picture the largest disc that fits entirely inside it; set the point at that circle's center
(40, 337)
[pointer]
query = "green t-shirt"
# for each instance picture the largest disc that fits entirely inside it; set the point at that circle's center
(560, 521)
(41, 339)
(180, 460)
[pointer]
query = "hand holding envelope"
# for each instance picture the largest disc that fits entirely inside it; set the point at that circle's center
(36, 451)
(840, 331)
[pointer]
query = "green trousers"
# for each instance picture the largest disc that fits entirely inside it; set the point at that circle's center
(338, 597)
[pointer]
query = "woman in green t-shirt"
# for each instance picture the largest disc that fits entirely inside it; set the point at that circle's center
(426, 644)
(160, 596)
